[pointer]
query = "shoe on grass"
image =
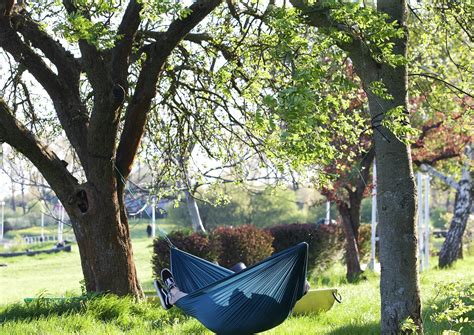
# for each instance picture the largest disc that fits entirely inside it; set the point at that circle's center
(163, 295)
(168, 280)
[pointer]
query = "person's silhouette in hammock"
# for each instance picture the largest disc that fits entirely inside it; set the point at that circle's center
(171, 293)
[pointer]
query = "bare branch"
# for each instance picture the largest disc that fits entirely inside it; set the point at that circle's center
(68, 67)
(426, 75)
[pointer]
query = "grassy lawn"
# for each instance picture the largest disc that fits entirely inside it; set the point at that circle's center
(60, 273)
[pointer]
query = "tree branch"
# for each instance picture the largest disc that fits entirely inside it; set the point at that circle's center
(93, 59)
(68, 67)
(446, 154)
(364, 172)
(426, 75)
(435, 173)
(123, 46)
(138, 108)
(51, 167)
(71, 113)
(12, 43)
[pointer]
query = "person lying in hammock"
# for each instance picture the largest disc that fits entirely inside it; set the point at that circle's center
(233, 302)
(170, 294)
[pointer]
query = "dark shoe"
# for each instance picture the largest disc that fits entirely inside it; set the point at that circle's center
(168, 280)
(164, 298)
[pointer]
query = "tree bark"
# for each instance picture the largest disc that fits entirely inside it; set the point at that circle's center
(107, 259)
(396, 200)
(349, 209)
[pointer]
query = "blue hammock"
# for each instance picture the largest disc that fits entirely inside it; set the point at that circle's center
(254, 300)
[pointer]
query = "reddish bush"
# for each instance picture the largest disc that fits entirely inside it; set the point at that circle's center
(246, 244)
(195, 243)
(325, 242)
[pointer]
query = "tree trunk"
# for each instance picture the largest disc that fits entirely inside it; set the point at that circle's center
(23, 202)
(107, 258)
(13, 201)
(350, 223)
(452, 246)
(193, 211)
(396, 193)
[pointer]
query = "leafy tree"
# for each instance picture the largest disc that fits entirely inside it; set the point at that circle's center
(230, 205)
(100, 73)
(377, 47)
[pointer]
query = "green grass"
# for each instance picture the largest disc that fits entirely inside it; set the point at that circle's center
(60, 273)
(55, 274)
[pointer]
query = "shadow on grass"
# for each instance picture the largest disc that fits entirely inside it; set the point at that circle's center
(363, 329)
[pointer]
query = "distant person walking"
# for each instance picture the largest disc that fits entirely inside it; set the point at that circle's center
(148, 231)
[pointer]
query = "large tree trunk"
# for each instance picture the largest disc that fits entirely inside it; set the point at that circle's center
(452, 246)
(350, 223)
(107, 258)
(396, 193)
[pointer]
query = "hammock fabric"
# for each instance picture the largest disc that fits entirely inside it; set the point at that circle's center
(253, 300)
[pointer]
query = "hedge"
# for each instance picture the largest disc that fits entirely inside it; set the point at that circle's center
(247, 244)
(324, 242)
(197, 244)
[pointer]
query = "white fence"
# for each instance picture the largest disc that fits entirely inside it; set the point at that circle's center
(45, 239)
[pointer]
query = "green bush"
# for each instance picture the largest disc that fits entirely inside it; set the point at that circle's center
(366, 210)
(246, 244)
(195, 243)
(438, 217)
(364, 241)
(324, 242)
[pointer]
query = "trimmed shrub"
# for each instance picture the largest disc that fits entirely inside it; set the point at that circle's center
(246, 244)
(197, 244)
(324, 242)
